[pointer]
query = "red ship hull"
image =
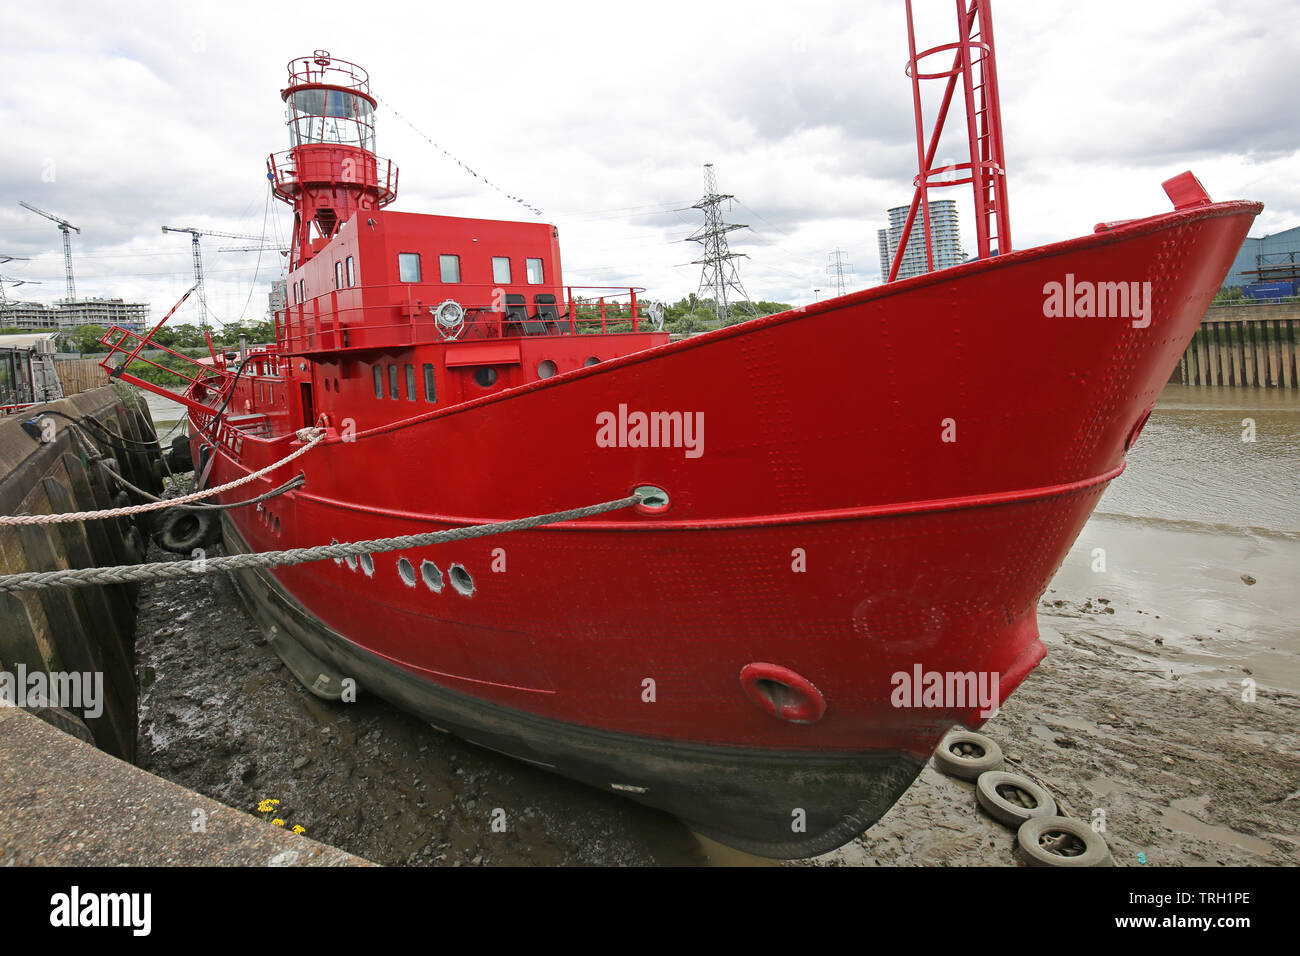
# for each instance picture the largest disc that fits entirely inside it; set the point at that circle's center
(887, 481)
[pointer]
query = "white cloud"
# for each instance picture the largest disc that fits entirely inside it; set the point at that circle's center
(602, 115)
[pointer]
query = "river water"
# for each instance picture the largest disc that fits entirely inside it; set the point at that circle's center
(1216, 458)
(1200, 546)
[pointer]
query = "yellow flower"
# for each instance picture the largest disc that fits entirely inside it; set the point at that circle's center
(298, 829)
(277, 822)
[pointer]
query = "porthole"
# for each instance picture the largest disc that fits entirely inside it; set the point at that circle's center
(545, 369)
(405, 569)
(432, 576)
(485, 376)
(591, 360)
(461, 580)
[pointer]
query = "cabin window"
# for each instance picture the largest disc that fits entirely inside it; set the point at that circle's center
(410, 383)
(379, 382)
(352, 273)
(392, 380)
(295, 293)
(449, 266)
(429, 394)
(501, 270)
(408, 266)
(338, 275)
(486, 376)
(535, 276)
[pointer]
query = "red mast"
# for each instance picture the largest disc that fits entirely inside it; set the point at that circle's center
(331, 170)
(985, 168)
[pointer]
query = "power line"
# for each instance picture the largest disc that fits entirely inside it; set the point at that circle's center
(839, 269)
(718, 274)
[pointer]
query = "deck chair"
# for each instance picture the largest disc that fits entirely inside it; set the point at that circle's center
(519, 321)
(549, 314)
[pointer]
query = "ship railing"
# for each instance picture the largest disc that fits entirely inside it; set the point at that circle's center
(201, 383)
(326, 162)
(410, 314)
(322, 68)
(12, 408)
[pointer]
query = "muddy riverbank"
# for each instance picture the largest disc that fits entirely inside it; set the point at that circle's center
(221, 715)
(1135, 721)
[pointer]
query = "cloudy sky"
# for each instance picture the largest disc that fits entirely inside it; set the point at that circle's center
(126, 117)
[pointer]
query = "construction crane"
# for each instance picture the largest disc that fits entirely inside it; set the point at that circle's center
(198, 260)
(13, 282)
(269, 247)
(64, 227)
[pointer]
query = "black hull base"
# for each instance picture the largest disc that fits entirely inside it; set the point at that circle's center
(778, 804)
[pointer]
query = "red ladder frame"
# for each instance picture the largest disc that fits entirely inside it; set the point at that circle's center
(985, 169)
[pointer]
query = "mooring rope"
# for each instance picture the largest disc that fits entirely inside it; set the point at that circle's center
(126, 573)
(297, 481)
(312, 437)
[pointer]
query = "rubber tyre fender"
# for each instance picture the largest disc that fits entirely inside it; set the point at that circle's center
(180, 531)
(1032, 831)
(1002, 809)
(179, 458)
(963, 767)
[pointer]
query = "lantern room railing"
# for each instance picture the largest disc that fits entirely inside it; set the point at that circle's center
(326, 163)
(322, 69)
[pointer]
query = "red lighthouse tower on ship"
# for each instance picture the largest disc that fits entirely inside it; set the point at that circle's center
(727, 650)
(330, 172)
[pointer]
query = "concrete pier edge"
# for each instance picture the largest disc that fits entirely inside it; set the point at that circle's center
(64, 803)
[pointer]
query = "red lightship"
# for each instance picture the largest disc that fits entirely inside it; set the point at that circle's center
(878, 482)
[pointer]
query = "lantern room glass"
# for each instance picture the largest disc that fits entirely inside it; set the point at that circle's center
(331, 116)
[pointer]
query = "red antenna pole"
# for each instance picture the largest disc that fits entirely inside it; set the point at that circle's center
(985, 168)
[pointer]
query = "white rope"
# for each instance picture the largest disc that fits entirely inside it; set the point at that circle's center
(312, 437)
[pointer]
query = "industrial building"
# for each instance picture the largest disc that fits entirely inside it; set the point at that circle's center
(945, 240)
(68, 314)
(1267, 261)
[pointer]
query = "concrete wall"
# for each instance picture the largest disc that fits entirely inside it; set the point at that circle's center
(75, 630)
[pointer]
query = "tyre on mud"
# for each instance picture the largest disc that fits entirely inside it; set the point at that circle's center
(1012, 799)
(1061, 841)
(965, 755)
